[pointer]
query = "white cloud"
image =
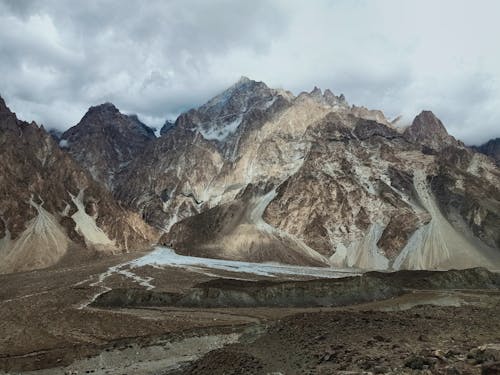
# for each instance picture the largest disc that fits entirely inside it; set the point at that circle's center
(158, 58)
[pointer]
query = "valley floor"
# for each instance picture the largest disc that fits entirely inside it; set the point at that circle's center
(50, 324)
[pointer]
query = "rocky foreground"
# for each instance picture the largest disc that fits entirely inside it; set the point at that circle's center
(108, 317)
(422, 340)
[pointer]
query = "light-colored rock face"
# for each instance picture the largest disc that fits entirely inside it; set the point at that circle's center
(105, 141)
(341, 186)
(258, 174)
(48, 203)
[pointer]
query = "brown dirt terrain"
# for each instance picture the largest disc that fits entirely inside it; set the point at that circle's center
(424, 339)
(46, 322)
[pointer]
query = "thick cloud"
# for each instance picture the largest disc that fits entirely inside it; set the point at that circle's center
(158, 58)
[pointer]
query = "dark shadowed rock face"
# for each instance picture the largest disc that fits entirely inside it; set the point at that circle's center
(429, 131)
(105, 141)
(166, 127)
(490, 148)
(48, 202)
(56, 134)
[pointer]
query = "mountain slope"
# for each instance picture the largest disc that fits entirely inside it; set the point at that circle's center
(49, 204)
(259, 174)
(337, 187)
(105, 141)
(490, 148)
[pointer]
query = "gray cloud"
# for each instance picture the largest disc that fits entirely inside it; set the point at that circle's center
(158, 58)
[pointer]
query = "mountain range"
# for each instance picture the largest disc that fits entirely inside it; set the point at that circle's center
(255, 174)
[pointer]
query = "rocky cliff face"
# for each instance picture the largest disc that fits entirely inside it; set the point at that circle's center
(258, 174)
(105, 141)
(491, 149)
(49, 204)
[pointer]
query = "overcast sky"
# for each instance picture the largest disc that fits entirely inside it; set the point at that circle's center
(159, 58)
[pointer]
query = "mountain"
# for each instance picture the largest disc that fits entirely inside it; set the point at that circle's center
(105, 141)
(427, 130)
(166, 127)
(56, 134)
(490, 148)
(259, 174)
(50, 206)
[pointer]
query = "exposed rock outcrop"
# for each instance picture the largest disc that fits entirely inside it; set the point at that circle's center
(105, 141)
(429, 131)
(337, 184)
(47, 203)
(166, 127)
(259, 174)
(491, 149)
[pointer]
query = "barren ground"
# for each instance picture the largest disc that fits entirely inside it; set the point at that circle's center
(47, 327)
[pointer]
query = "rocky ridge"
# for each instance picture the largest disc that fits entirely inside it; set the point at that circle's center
(49, 205)
(491, 149)
(258, 174)
(105, 141)
(311, 180)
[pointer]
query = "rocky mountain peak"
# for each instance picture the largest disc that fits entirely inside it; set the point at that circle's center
(244, 84)
(108, 115)
(3, 106)
(316, 91)
(106, 140)
(326, 98)
(8, 120)
(244, 79)
(221, 116)
(49, 204)
(104, 111)
(428, 130)
(427, 121)
(106, 106)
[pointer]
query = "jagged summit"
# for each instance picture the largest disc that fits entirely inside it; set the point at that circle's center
(8, 120)
(107, 114)
(3, 106)
(106, 140)
(428, 121)
(316, 91)
(326, 98)
(219, 118)
(102, 110)
(428, 130)
(104, 106)
(49, 204)
(257, 174)
(244, 79)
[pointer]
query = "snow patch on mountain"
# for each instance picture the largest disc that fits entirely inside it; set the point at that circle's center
(220, 133)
